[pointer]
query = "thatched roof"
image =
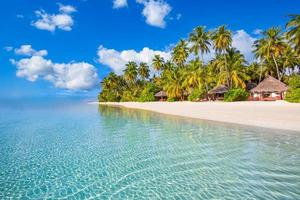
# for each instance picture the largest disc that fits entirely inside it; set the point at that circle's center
(221, 89)
(270, 84)
(161, 94)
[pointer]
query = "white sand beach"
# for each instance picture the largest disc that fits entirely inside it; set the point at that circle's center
(277, 115)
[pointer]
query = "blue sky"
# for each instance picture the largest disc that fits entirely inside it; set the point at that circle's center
(64, 48)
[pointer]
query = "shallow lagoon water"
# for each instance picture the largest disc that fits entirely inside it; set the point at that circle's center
(81, 151)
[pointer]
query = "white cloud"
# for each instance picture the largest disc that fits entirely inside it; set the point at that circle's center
(244, 42)
(50, 22)
(116, 60)
(257, 31)
(155, 12)
(66, 8)
(27, 50)
(70, 76)
(119, 3)
(32, 68)
(73, 76)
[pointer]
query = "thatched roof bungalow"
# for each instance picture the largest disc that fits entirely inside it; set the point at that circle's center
(269, 89)
(161, 96)
(218, 92)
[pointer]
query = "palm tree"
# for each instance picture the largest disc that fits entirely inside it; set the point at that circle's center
(168, 66)
(172, 83)
(253, 72)
(235, 70)
(222, 40)
(144, 71)
(112, 87)
(270, 47)
(200, 40)
(192, 75)
(130, 73)
(289, 60)
(180, 53)
(293, 33)
(158, 62)
(110, 81)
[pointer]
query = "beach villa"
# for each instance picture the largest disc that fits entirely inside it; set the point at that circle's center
(161, 96)
(270, 89)
(218, 92)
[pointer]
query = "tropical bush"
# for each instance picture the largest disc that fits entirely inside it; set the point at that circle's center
(107, 96)
(127, 96)
(294, 82)
(171, 99)
(148, 93)
(293, 95)
(196, 94)
(238, 94)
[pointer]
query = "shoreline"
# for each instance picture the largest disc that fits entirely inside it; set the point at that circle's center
(275, 115)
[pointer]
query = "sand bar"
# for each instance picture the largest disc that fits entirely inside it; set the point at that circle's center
(276, 115)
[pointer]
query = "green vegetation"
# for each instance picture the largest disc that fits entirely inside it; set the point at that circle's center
(236, 95)
(148, 93)
(189, 76)
(293, 94)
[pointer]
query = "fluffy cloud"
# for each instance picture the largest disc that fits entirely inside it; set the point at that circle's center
(119, 3)
(66, 9)
(50, 22)
(33, 68)
(155, 12)
(73, 76)
(244, 42)
(27, 50)
(116, 60)
(70, 76)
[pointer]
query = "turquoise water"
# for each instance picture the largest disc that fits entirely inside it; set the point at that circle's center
(79, 151)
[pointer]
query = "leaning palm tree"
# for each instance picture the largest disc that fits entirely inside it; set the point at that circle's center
(293, 32)
(270, 47)
(200, 40)
(222, 40)
(144, 71)
(130, 73)
(158, 62)
(180, 53)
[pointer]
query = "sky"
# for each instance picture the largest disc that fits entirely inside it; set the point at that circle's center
(66, 47)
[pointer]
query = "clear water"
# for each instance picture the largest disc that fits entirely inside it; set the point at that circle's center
(80, 151)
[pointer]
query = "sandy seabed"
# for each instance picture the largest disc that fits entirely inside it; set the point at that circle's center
(277, 114)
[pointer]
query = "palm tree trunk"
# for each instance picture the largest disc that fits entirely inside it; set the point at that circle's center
(227, 71)
(206, 92)
(278, 75)
(206, 87)
(260, 74)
